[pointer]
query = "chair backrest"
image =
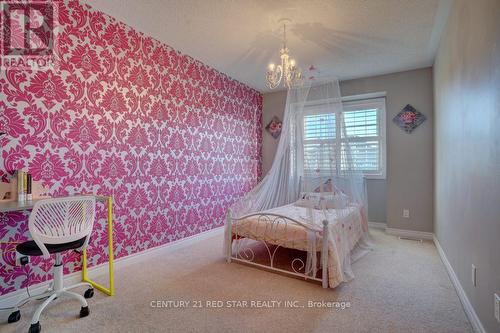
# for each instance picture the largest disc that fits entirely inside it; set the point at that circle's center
(62, 220)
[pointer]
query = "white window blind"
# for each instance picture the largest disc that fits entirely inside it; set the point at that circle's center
(319, 135)
(362, 122)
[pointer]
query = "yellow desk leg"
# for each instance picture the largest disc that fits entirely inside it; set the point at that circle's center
(85, 278)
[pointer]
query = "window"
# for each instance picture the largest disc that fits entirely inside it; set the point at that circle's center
(326, 133)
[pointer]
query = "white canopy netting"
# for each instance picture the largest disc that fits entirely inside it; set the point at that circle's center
(314, 174)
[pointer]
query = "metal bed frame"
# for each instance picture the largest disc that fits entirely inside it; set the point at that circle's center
(274, 223)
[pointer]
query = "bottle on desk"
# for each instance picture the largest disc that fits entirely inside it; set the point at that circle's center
(21, 195)
(29, 187)
(24, 186)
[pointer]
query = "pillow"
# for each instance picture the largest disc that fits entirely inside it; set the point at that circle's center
(338, 201)
(327, 187)
(323, 201)
(306, 203)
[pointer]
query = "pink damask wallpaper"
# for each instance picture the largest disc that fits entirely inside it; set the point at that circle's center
(173, 140)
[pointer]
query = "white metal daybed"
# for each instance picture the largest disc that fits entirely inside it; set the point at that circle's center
(312, 199)
(288, 227)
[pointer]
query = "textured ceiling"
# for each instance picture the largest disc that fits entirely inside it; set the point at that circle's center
(346, 38)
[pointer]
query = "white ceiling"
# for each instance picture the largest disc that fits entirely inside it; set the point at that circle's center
(346, 38)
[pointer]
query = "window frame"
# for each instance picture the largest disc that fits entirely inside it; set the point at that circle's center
(351, 103)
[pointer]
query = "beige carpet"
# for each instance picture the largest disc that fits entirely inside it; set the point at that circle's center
(401, 286)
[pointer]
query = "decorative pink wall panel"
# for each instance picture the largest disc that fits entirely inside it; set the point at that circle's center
(173, 140)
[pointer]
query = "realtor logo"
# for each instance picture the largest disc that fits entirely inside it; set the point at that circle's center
(28, 34)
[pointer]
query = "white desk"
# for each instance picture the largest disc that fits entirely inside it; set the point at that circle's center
(13, 206)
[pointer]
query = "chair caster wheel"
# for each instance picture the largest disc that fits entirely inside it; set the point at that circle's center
(14, 316)
(84, 311)
(89, 293)
(35, 328)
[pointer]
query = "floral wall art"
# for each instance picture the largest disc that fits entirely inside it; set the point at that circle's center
(172, 140)
(274, 127)
(409, 118)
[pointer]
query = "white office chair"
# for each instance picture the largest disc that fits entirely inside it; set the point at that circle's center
(57, 225)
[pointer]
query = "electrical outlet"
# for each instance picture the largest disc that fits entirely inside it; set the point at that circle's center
(406, 213)
(474, 275)
(497, 307)
(21, 259)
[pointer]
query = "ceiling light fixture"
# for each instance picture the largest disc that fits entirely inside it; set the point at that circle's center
(287, 72)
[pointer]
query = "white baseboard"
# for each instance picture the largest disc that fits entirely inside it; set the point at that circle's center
(377, 225)
(12, 298)
(409, 233)
(469, 310)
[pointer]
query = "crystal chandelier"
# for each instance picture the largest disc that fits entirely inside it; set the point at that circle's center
(287, 73)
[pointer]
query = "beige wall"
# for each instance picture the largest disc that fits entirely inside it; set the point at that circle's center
(467, 154)
(409, 182)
